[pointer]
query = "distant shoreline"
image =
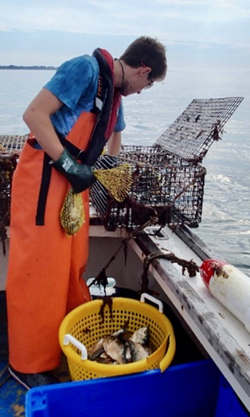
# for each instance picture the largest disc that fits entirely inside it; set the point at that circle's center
(27, 67)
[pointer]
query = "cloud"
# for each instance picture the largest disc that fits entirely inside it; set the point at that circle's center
(51, 31)
(112, 17)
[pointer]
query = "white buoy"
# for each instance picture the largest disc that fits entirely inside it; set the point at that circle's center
(230, 286)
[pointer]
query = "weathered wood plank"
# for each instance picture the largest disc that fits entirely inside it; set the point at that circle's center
(230, 353)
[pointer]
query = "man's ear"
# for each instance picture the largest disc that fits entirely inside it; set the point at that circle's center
(146, 70)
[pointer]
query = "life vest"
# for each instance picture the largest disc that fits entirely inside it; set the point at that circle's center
(107, 103)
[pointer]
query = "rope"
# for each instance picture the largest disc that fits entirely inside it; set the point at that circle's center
(101, 278)
(5, 379)
(190, 266)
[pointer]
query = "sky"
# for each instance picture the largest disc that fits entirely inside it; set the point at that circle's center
(198, 34)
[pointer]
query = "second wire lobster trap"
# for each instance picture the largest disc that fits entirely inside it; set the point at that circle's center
(165, 189)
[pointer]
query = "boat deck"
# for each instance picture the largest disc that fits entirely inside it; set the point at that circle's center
(223, 336)
(12, 398)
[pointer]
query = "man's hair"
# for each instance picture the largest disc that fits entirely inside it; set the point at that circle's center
(149, 52)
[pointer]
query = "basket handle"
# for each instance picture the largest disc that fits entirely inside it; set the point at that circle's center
(153, 299)
(68, 338)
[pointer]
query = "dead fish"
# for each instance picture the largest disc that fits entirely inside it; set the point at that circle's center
(114, 348)
(119, 333)
(141, 336)
(138, 352)
(105, 359)
(122, 346)
(96, 350)
(128, 354)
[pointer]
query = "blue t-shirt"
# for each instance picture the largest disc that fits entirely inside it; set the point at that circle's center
(75, 85)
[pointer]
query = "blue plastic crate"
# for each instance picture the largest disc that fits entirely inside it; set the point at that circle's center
(187, 390)
(228, 404)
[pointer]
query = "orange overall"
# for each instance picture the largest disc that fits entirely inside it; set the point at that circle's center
(44, 279)
(46, 266)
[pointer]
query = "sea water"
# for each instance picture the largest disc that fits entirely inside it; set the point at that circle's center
(225, 225)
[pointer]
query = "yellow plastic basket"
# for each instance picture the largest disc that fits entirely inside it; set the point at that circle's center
(83, 327)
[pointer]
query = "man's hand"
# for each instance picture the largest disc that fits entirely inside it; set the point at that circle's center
(80, 176)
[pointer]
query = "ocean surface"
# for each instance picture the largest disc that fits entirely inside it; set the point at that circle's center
(225, 225)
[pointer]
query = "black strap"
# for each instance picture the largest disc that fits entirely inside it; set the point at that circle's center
(98, 139)
(44, 188)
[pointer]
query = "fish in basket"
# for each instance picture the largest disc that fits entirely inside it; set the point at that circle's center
(84, 327)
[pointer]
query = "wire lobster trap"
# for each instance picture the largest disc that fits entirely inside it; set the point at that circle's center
(10, 148)
(198, 127)
(168, 178)
(7, 167)
(165, 188)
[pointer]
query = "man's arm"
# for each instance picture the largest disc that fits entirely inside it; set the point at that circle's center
(37, 118)
(114, 143)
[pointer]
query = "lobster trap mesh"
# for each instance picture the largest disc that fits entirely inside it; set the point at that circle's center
(7, 167)
(10, 148)
(168, 180)
(200, 124)
(164, 188)
(12, 144)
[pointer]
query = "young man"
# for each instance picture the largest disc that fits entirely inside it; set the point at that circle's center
(70, 121)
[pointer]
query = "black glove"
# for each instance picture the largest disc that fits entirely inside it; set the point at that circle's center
(80, 176)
